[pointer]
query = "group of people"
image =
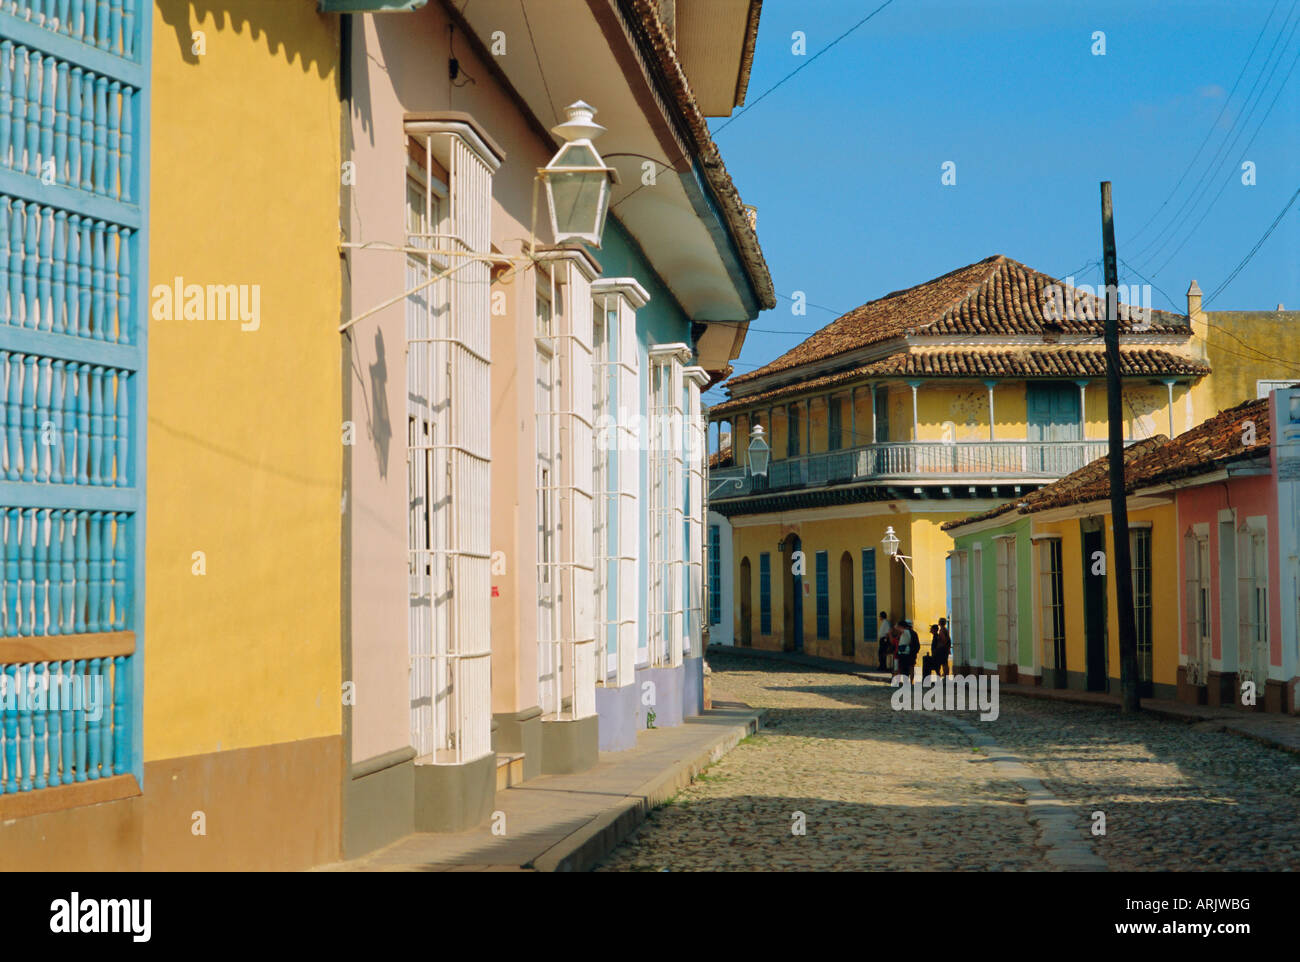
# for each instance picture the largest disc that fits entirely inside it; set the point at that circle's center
(899, 646)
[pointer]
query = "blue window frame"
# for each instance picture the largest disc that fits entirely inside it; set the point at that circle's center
(73, 295)
(823, 595)
(765, 593)
(868, 593)
(834, 426)
(715, 575)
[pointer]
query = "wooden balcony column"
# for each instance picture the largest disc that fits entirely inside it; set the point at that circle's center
(915, 423)
(989, 384)
(1083, 409)
(875, 436)
(853, 417)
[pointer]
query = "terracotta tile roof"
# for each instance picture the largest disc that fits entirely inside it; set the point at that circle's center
(658, 48)
(992, 362)
(722, 456)
(1209, 446)
(997, 295)
(1033, 362)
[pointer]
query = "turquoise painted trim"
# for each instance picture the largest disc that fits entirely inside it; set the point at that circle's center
(139, 251)
(708, 210)
(869, 623)
(87, 497)
(74, 200)
(76, 53)
(68, 347)
(823, 566)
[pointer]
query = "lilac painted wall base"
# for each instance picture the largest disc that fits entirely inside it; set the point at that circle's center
(619, 711)
(669, 685)
(693, 687)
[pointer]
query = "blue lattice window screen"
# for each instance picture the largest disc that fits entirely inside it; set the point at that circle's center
(74, 109)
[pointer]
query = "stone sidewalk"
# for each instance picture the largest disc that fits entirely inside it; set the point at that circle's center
(558, 823)
(1269, 728)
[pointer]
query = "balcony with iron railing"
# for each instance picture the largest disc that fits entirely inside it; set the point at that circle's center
(916, 461)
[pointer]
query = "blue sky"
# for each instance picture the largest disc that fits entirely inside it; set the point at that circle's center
(844, 160)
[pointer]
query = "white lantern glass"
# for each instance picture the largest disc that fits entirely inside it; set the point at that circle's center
(890, 541)
(758, 453)
(577, 193)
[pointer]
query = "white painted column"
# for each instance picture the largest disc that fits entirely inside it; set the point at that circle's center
(1169, 387)
(621, 298)
(575, 654)
(693, 558)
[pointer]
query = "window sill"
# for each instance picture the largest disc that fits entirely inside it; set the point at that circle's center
(43, 800)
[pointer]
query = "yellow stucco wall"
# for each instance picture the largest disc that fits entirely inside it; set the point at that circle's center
(244, 453)
(920, 536)
(1242, 347)
(1165, 610)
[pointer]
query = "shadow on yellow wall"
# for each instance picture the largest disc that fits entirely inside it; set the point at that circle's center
(263, 18)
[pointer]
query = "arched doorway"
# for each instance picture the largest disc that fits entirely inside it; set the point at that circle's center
(746, 606)
(792, 595)
(846, 605)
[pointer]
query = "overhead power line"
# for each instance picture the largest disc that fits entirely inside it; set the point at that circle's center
(1233, 173)
(1214, 126)
(752, 104)
(1258, 244)
(1224, 154)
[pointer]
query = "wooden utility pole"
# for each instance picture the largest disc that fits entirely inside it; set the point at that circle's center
(1123, 566)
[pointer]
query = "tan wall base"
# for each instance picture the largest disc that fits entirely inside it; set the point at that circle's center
(273, 807)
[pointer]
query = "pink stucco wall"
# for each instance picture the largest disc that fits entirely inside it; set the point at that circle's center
(405, 61)
(1250, 497)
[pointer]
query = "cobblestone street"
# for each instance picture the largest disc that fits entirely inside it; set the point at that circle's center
(906, 790)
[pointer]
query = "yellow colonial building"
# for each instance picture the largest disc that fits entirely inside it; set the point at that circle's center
(924, 406)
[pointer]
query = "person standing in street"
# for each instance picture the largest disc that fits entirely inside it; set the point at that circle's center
(908, 645)
(883, 632)
(942, 648)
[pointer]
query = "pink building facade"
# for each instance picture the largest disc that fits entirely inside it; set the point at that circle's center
(1239, 578)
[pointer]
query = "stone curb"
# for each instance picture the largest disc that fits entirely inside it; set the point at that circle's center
(1060, 832)
(581, 850)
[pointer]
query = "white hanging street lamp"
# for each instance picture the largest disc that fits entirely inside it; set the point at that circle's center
(758, 453)
(891, 543)
(577, 180)
(756, 458)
